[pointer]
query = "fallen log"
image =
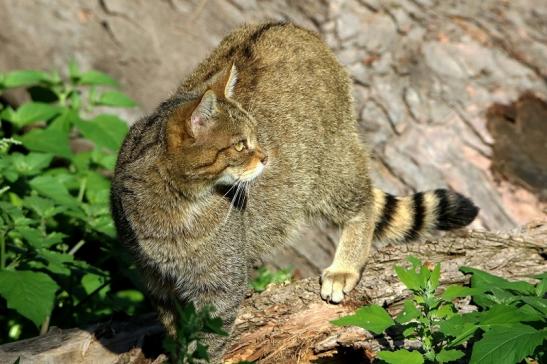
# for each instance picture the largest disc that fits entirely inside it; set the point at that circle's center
(290, 323)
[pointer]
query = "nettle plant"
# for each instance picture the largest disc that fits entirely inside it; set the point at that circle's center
(508, 327)
(59, 264)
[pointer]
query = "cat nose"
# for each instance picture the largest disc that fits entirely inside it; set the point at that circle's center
(264, 159)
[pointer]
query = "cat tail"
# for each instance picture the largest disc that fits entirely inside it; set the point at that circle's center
(401, 219)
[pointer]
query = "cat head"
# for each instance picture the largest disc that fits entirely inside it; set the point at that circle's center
(212, 140)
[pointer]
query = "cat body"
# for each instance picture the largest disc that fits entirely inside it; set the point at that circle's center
(260, 138)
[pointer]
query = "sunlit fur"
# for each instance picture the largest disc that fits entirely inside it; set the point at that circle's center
(196, 209)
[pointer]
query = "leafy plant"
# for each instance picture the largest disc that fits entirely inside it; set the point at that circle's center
(192, 324)
(59, 262)
(265, 277)
(509, 327)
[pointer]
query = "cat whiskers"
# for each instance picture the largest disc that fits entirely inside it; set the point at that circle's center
(237, 184)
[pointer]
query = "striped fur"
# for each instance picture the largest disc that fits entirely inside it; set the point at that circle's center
(401, 219)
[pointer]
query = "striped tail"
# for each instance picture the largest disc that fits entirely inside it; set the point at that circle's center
(400, 219)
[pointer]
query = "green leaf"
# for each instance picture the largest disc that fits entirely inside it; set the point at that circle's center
(416, 263)
(486, 281)
(371, 317)
(461, 327)
(408, 313)
(504, 315)
(444, 311)
(538, 303)
(455, 291)
(54, 189)
(37, 239)
(73, 70)
(115, 98)
(31, 163)
(25, 78)
(506, 345)
(32, 294)
(435, 277)
(33, 111)
(44, 207)
(446, 356)
(47, 140)
(98, 188)
(91, 282)
(105, 130)
(56, 261)
(103, 224)
(409, 278)
(402, 356)
(96, 78)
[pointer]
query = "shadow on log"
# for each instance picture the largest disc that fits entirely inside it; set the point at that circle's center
(290, 323)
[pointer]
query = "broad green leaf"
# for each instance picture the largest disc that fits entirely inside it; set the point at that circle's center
(541, 288)
(486, 281)
(34, 111)
(416, 263)
(98, 188)
(456, 291)
(409, 278)
(115, 98)
(47, 140)
(408, 313)
(446, 356)
(127, 300)
(506, 345)
(91, 282)
(37, 239)
(96, 78)
(56, 262)
(73, 70)
(504, 315)
(31, 163)
(44, 207)
(424, 274)
(435, 277)
(25, 78)
(103, 224)
(104, 130)
(444, 311)
(371, 317)
(51, 187)
(15, 214)
(410, 330)
(538, 303)
(402, 356)
(105, 160)
(64, 121)
(32, 294)
(461, 327)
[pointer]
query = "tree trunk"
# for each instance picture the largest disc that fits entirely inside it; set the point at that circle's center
(290, 323)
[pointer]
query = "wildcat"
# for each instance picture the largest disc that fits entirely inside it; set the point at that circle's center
(268, 116)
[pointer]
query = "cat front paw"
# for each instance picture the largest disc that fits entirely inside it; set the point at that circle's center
(336, 281)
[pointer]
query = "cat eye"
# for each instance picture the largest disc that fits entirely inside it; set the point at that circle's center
(239, 146)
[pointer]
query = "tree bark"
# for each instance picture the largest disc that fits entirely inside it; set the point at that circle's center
(289, 323)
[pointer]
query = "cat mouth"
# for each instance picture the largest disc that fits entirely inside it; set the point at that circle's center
(248, 176)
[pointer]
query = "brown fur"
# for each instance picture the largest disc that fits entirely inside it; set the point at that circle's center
(278, 89)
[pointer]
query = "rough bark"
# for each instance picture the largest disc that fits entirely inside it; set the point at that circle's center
(290, 323)
(426, 73)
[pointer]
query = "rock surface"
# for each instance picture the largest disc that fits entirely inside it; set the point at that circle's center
(425, 74)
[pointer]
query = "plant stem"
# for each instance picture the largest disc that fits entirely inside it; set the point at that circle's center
(2, 251)
(76, 247)
(81, 192)
(45, 325)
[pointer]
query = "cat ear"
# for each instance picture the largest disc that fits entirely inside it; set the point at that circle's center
(231, 82)
(225, 82)
(202, 116)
